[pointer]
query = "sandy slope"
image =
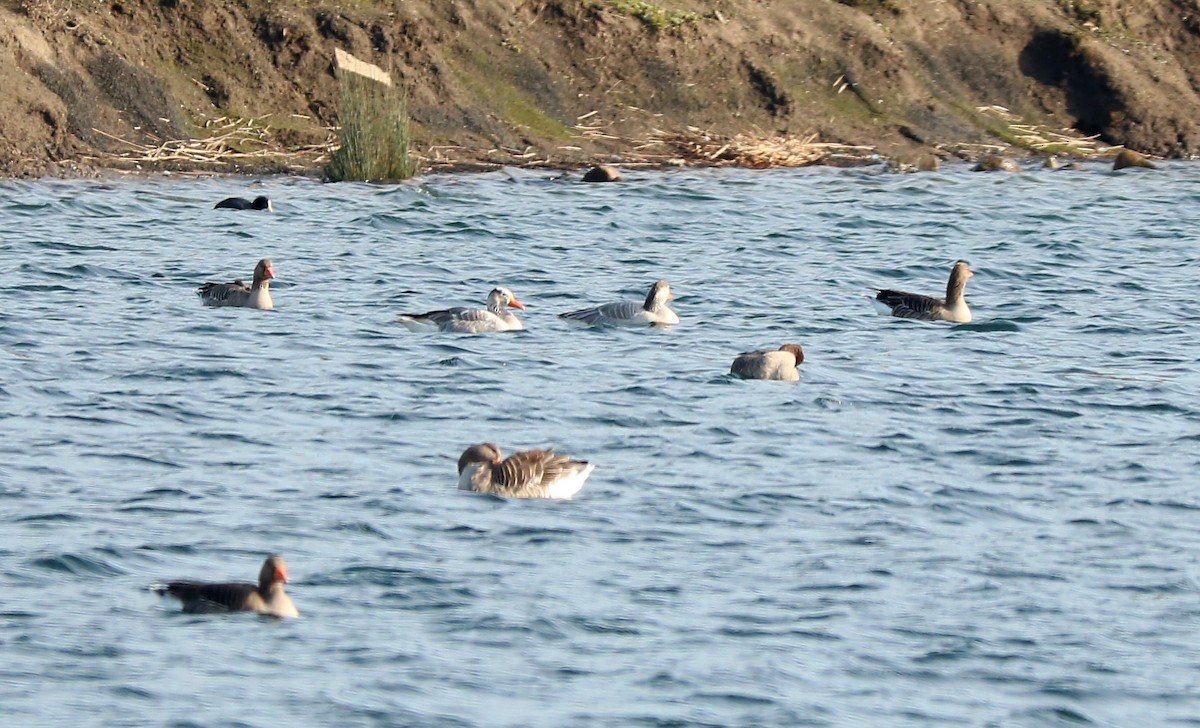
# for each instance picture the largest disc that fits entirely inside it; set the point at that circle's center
(508, 80)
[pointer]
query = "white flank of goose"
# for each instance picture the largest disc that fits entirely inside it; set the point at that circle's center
(781, 364)
(525, 474)
(256, 295)
(266, 597)
(653, 312)
(930, 308)
(496, 317)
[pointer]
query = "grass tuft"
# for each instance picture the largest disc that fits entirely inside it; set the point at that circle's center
(655, 16)
(374, 136)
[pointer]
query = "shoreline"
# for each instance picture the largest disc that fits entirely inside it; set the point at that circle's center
(696, 149)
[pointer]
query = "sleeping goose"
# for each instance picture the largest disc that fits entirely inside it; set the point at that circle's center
(496, 317)
(257, 295)
(654, 311)
(525, 474)
(929, 308)
(267, 597)
(780, 365)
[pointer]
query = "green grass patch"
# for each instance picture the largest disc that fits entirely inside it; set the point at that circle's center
(656, 16)
(489, 82)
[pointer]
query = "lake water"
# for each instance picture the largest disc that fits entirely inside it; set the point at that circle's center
(991, 524)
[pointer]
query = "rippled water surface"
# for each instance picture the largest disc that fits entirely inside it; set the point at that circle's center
(994, 523)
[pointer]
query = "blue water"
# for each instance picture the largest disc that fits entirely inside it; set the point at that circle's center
(995, 523)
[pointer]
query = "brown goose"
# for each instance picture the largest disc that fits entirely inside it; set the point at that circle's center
(267, 597)
(496, 317)
(654, 311)
(928, 308)
(257, 295)
(780, 365)
(525, 474)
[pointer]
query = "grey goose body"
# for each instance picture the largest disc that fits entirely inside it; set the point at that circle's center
(524, 474)
(654, 311)
(466, 320)
(780, 365)
(931, 308)
(238, 294)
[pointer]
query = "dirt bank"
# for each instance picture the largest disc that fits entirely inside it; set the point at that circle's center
(564, 82)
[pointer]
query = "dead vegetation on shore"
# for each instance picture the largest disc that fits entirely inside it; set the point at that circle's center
(1014, 131)
(236, 143)
(232, 143)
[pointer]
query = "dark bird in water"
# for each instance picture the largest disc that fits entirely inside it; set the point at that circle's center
(241, 203)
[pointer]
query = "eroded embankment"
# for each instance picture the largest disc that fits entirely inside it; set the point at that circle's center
(569, 81)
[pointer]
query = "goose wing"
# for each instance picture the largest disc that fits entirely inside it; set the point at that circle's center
(446, 315)
(203, 597)
(223, 294)
(533, 472)
(608, 313)
(911, 305)
(749, 365)
(461, 319)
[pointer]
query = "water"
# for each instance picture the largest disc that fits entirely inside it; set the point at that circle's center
(982, 524)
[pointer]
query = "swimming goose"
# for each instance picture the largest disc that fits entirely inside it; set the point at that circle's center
(928, 308)
(780, 365)
(496, 317)
(654, 311)
(241, 203)
(525, 474)
(257, 295)
(267, 597)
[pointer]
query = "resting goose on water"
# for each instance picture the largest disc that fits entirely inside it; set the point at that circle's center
(525, 474)
(256, 295)
(267, 597)
(496, 317)
(654, 311)
(780, 365)
(929, 308)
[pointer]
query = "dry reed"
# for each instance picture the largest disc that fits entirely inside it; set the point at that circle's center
(698, 147)
(233, 141)
(1041, 138)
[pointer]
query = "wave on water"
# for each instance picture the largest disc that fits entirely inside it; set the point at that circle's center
(963, 507)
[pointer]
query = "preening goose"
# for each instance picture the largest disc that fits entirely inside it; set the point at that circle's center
(267, 597)
(256, 295)
(780, 364)
(496, 317)
(525, 474)
(654, 311)
(929, 308)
